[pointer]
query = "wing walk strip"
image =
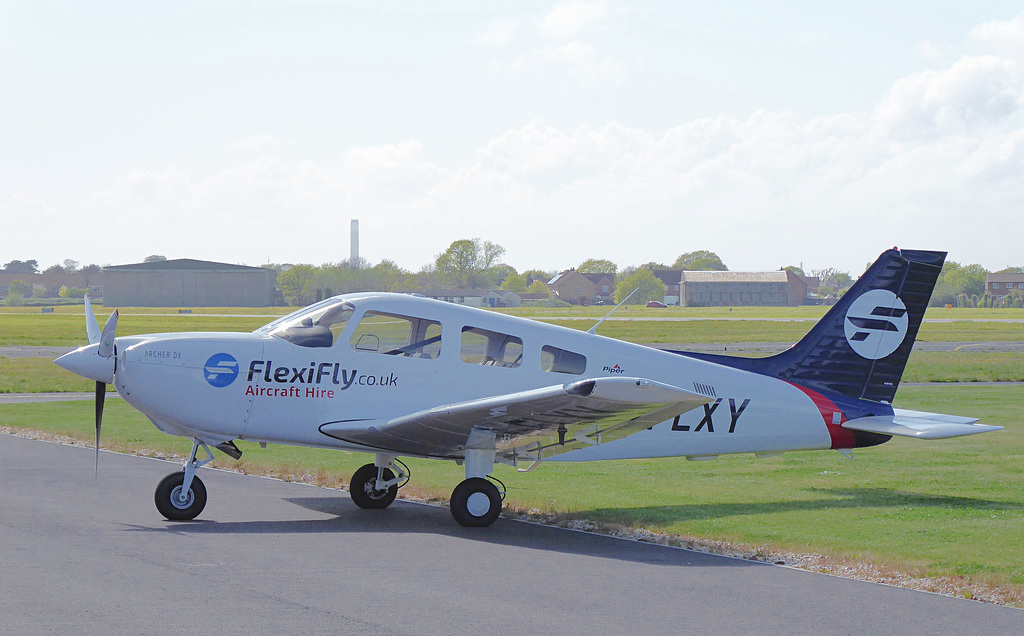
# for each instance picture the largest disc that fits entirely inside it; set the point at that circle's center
(549, 421)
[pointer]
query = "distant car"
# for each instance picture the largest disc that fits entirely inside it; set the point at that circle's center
(655, 303)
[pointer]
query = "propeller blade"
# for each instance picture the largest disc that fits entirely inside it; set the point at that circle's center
(107, 337)
(92, 328)
(101, 395)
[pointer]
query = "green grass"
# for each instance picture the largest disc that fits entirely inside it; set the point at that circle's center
(68, 329)
(38, 375)
(964, 366)
(943, 508)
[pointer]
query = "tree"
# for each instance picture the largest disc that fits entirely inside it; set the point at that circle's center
(22, 267)
(653, 265)
(388, 276)
(799, 271)
(701, 260)
(1011, 270)
(536, 274)
(514, 283)
(91, 268)
(964, 279)
(647, 285)
(154, 258)
(70, 266)
(496, 275)
(468, 263)
(54, 269)
(18, 286)
(539, 287)
(597, 266)
(293, 281)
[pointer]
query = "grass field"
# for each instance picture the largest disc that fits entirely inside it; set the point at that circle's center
(66, 326)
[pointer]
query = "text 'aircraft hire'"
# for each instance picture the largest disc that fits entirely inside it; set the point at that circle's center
(404, 376)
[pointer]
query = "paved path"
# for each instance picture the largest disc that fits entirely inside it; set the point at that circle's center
(91, 555)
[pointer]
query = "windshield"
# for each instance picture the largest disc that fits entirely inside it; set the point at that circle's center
(315, 326)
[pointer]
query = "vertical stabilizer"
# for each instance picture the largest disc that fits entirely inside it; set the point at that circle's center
(860, 347)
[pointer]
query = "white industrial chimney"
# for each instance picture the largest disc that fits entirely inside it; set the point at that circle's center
(354, 237)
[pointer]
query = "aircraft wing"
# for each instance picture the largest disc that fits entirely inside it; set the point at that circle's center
(528, 425)
(920, 425)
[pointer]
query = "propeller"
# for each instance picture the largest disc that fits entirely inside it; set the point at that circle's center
(95, 361)
(105, 350)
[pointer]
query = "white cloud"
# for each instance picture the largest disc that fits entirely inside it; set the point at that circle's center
(1002, 37)
(499, 33)
(974, 94)
(569, 20)
(930, 51)
(562, 41)
(936, 165)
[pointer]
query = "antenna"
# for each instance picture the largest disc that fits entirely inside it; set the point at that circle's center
(593, 329)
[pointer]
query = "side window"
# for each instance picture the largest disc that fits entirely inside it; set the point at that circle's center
(557, 360)
(396, 335)
(480, 346)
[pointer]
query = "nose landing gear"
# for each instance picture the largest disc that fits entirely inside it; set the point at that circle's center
(181, 496)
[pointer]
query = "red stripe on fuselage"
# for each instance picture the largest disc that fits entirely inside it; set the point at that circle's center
(841, 437)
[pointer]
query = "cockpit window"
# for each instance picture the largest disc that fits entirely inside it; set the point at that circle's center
(397, 335)
(318, 326)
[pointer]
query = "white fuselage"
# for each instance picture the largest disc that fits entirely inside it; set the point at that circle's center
(277, 391)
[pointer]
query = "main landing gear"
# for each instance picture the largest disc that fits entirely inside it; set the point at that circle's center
(476, 501)
(181, 496)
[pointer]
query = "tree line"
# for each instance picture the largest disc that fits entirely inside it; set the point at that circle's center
(477, 264)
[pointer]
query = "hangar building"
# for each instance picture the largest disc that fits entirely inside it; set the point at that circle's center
(716, 289)
(186, 282)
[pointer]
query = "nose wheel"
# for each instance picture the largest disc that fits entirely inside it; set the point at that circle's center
(181, 496)
(178, 503)
(363, 488)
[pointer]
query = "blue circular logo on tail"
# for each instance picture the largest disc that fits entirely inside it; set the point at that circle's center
(876, 324)
(220, 370)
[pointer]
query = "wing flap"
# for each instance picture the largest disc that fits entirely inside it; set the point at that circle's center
(566, 416)
(920, 425)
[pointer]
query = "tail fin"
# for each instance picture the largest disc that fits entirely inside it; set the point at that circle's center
(860, 348)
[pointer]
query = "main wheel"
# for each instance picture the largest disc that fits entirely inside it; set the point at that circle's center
(363, 488)
(475, 503)
(174, 504)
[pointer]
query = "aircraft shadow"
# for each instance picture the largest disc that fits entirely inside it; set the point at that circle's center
(413, 518)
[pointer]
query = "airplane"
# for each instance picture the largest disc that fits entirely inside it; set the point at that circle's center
(400, 375)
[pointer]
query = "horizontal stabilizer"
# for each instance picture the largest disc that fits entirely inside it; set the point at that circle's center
(920, 425)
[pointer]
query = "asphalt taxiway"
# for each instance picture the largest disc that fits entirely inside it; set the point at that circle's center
(83, 554)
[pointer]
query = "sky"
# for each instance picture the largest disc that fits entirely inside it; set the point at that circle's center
(772, 133)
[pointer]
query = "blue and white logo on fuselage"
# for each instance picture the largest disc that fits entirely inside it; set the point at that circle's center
(220, 370)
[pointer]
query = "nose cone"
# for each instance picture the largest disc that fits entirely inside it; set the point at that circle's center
(87, 362)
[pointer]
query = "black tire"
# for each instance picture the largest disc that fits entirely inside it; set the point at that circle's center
(363, 491)
(166, 497)
(475, 512)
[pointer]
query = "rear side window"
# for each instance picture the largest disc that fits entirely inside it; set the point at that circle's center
(397, 335)
(491, 348)
(555, 360)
